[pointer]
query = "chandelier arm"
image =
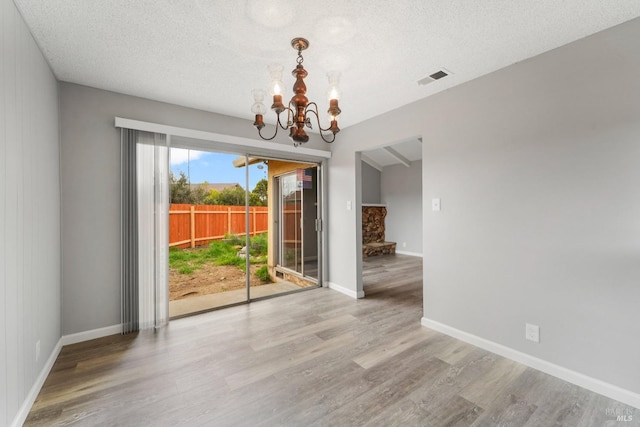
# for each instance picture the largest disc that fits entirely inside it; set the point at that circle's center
(268, 139)
(320, 128)
(312, 104)
(317, 118)
(315, 111)
(288, 125)
(327, 140)
(278, 125)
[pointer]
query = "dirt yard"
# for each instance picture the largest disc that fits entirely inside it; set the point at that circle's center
(210, 279)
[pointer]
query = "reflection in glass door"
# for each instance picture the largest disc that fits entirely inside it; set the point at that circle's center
(310, 215)
(298, 213)
(290, 223)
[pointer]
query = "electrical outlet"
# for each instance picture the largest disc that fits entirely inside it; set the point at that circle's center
(532, 332)
(37, 350)
(404, 244)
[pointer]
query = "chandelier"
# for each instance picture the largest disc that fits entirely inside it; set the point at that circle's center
(300, 110)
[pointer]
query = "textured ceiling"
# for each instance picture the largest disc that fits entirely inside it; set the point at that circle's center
(209, 54)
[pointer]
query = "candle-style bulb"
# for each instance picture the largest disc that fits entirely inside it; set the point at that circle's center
(334, 85)
(258, 106)
(275, 71)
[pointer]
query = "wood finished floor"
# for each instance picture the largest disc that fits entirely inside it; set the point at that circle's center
(314, 358)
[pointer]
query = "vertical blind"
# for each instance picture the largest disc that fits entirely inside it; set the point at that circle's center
(145, 230)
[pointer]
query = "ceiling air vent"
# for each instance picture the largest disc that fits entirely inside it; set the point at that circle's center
(433, 77)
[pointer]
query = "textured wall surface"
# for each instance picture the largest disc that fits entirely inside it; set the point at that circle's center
(401, 191)
(29, 213)
(370, 184)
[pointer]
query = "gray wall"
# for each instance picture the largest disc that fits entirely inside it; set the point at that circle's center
(370, 184)
(401, 191)
(29, 212)
(90, 167)
(537, 167)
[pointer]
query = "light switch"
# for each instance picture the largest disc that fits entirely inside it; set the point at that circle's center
(435, 205)
(348, 205)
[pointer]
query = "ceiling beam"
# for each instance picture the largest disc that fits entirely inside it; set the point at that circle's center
(368, 160)
(399, 157)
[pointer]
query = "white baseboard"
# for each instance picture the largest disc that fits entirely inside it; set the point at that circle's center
(348, 292)
(23, 413)
(409, 253)
(92, 334)
(614, 392)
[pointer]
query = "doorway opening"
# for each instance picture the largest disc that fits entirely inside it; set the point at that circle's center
(391, 208)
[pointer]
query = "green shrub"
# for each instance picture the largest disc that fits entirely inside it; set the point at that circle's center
(259, 245)
(234, 240)
(263, 274)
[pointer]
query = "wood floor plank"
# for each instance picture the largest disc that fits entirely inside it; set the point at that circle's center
(501, 374)
(311, 358)
(274, 339)
(264, 370)
(377, 399)
(393, 348)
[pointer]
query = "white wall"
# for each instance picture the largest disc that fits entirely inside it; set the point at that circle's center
(401, 191)
(90, 168)
(537, 167)
(29, 213)
(371, 181)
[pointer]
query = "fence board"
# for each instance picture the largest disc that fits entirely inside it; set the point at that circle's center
(197, 225)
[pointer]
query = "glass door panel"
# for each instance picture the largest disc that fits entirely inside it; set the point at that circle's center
(298, 215)
(309, 220)
(207, 231)
(290, 223)
(292, 240)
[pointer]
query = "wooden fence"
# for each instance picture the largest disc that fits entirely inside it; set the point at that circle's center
(197, 225)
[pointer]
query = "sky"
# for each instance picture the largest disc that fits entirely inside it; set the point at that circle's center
(201, 166)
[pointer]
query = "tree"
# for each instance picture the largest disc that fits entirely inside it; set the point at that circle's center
(180, 191)
(212, 197)
(199, 194)
(258, 196)
(230, 196)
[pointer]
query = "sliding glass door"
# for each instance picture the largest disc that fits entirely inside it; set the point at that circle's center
(244, 234)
